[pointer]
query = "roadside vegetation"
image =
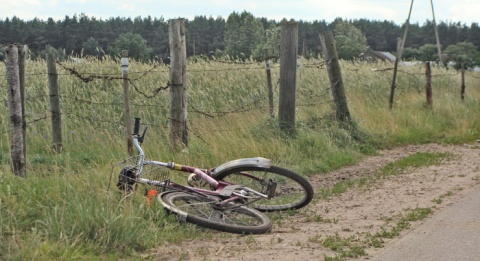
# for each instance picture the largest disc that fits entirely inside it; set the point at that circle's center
(69, 208)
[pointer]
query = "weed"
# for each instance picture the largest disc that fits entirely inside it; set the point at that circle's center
(315, 239)
(418, 214)
(345, 247)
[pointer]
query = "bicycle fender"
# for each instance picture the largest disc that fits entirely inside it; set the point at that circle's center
(246, 162)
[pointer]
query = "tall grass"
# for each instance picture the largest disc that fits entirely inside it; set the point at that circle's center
(68, 206)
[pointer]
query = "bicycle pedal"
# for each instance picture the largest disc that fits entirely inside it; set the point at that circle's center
(193, 180)
(272, 185)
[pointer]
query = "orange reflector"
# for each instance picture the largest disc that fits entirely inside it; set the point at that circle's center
(151, 195)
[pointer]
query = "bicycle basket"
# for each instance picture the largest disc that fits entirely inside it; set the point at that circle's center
(127, 171)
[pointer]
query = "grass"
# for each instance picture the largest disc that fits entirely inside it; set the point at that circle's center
(354, 246)
(344, 247)
(66, 209)
(419, 159)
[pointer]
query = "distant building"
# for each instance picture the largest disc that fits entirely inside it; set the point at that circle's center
(376, 56)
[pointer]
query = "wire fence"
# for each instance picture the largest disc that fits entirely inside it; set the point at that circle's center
(86, 100)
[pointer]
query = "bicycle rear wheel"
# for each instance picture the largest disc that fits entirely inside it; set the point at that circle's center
(207, 212)
(292, 192)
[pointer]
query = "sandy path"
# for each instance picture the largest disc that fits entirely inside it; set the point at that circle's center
(353, 215)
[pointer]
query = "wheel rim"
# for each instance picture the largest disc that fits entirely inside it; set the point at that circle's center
(289, 193)
(209, 209)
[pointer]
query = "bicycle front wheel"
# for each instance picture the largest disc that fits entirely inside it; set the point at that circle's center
(292, 192)
(210, 213)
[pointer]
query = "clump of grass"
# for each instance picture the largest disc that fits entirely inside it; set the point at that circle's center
(344, 247)
(403, 223)
(419, 159)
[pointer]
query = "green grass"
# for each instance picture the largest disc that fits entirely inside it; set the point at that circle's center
(344, 247)
(419, 159)
(354, 246)
(66, 208)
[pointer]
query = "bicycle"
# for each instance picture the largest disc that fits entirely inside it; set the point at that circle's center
(219, 198)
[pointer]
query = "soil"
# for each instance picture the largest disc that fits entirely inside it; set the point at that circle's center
(352, 216)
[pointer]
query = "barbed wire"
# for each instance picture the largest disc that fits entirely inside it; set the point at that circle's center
(414, 74)
(92, 77)
(240, 109)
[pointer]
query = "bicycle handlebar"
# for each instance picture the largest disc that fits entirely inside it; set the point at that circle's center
(136, 127)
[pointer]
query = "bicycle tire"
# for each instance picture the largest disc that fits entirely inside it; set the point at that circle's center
(292, 192)
(205, 211)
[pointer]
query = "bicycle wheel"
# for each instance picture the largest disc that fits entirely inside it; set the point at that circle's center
(292, 192)
(207, 212)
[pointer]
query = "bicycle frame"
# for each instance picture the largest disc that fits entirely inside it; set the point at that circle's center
(220, 188)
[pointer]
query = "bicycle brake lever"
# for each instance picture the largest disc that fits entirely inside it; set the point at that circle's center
(140, 139)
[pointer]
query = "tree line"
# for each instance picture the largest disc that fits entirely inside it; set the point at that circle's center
(241, 35)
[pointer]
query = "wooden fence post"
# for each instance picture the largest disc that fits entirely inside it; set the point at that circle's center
(54, 104)
(126, 95)
(178, 84)
(269, 84)
(395, 69)
(329, 49)
(288, 76)
(22, 57)
(428, 84)
(463, 80)
(15, 106)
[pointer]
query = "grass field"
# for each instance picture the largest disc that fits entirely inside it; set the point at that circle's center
(65, 208)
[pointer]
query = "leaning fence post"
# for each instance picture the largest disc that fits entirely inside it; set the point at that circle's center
(15, 106)
(329, 50)
(126, 86)
(54, 104)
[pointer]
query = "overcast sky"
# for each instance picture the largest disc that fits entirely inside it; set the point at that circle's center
(464, 11)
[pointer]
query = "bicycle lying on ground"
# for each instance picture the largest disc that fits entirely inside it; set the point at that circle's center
(231, 197)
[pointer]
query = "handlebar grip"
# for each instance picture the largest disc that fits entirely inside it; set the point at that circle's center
(136, 127)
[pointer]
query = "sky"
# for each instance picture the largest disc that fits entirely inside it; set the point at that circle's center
(463, 11)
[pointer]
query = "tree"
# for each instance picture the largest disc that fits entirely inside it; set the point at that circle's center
(92, 47)
(411, 54)
(350, 41)
(135, 45)
(474, 35)
(428, 52)
(463, 52)
(243, 33)
(2, 50)
(57, 53)
(271, 42)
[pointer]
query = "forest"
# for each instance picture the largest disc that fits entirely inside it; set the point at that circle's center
(239, 35)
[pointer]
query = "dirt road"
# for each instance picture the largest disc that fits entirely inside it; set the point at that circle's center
(357, 224)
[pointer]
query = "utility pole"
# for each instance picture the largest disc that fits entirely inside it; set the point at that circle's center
(439, 46)
(400, 45)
